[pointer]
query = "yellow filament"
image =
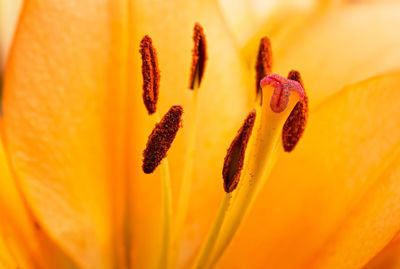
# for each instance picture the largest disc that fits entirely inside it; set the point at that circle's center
(203, 260)
(209, 245)
(263, 152)
(167, 209)
(237, 213)
(186, 183)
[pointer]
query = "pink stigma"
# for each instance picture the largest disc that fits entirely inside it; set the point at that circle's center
(283, 87)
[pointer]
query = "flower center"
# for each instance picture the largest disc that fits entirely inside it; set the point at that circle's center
(281, 109)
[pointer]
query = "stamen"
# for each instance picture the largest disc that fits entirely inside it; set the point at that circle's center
(151, 74)
(234, 158)
(199, 56)
(282, 90)
(161, 138)
(264, 61)
(296, 123)
(233, 165)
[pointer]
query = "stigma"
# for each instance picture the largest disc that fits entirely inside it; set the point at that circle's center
(282, 90)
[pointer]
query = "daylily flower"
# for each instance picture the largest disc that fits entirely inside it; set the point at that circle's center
(73, 193)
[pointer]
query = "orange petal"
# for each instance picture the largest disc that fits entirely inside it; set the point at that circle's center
(6, 258)
(369, 227)
(341, 47)
(333, 48)
(388, 258)
(27, 243)
(63, 111)
(246, 18)
(17, 231)
(338, 191)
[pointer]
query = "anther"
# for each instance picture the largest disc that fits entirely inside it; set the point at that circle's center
(282, 90)
(199, 56)
(234, 159)
(264, 61)
(161, 138)
(151, 74)
(296, 123)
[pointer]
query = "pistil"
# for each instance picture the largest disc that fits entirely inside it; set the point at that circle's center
(280, 96)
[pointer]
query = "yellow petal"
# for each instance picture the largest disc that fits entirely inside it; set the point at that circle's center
(62, 120)
(334, 200)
